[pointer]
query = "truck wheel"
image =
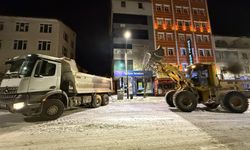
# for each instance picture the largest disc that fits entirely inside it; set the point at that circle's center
(96, 101)
(169, 98)
(52, 109)
(185, 101)
(235, 102)
(105, 100)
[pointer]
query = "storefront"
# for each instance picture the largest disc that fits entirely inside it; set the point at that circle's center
(137, 79)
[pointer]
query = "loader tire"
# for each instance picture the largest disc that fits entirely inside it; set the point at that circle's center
(52, 109)
(235, 102)
(185, 101)
(105, 99)
(96, 101)
(169, 98)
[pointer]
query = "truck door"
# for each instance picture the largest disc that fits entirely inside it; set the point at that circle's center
(45, 76)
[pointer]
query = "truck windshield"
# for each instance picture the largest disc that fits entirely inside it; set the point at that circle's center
(20, 67)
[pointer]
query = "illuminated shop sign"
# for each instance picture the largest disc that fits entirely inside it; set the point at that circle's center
(133, 73)
(190, 52)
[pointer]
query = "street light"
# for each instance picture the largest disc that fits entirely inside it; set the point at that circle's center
(127, 36)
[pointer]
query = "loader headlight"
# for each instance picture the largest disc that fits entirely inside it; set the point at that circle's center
(18, 106)
(193, 66)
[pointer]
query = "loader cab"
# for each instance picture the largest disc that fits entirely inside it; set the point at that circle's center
(202, 74)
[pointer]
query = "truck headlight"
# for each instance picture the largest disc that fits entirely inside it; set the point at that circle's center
(18, 106)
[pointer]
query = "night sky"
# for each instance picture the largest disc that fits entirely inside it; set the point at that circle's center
(91, 20)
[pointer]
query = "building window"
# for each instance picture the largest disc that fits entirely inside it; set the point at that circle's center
(178, 9)
(185, 10)
(199, 38)
(201, 52)
(244, 55)
(71, 55)
(184, 66)
(206, 38)
(169, 37)
(22, 27)
(65, 51)
(167, 8)
(219, 56)
(189, 37)
(202, 12)
(195, 11)
(197, 25)
(181, 37)
(170, 51)
(20, 45)
(183, 51)
(180, 23)
(159, 21)
(187, 23)
(168, 21)
(44, 45)
(123, 4)
(204, 25)
(45, 28)
(140, 5)
(119, 65)
(65, 37)
(161, 36)
(1, 26)
(72, 44)
(158, 7)
(208, 52)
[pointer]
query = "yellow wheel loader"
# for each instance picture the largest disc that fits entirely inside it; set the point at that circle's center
(201, 84)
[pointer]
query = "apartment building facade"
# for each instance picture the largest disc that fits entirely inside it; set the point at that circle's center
(230, 50)
(24, 35)
(134, 16)
(182, 28)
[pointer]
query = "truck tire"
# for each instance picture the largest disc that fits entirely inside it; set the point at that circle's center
(169, 98)
(185, 101)
(235, 102)
(105, 100)
(96, 101)
(52, 109)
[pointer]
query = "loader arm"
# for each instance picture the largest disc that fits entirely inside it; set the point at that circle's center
(154, 62)
(173, 72)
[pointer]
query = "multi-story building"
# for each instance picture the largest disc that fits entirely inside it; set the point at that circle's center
(24, 35)
(135, 16)
(231, 50)
(182, 28)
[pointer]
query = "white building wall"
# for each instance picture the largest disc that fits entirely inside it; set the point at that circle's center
(70, 45)
(236, 47)
(33, 36)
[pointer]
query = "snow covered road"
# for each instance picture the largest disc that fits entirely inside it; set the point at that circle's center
(128, 124)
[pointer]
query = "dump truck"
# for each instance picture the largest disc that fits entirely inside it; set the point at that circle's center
(45, 86)
(201, 84)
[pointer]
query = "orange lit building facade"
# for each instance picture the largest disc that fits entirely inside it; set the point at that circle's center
(177, 21)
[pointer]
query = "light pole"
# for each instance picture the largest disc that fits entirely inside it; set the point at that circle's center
(127, 36)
